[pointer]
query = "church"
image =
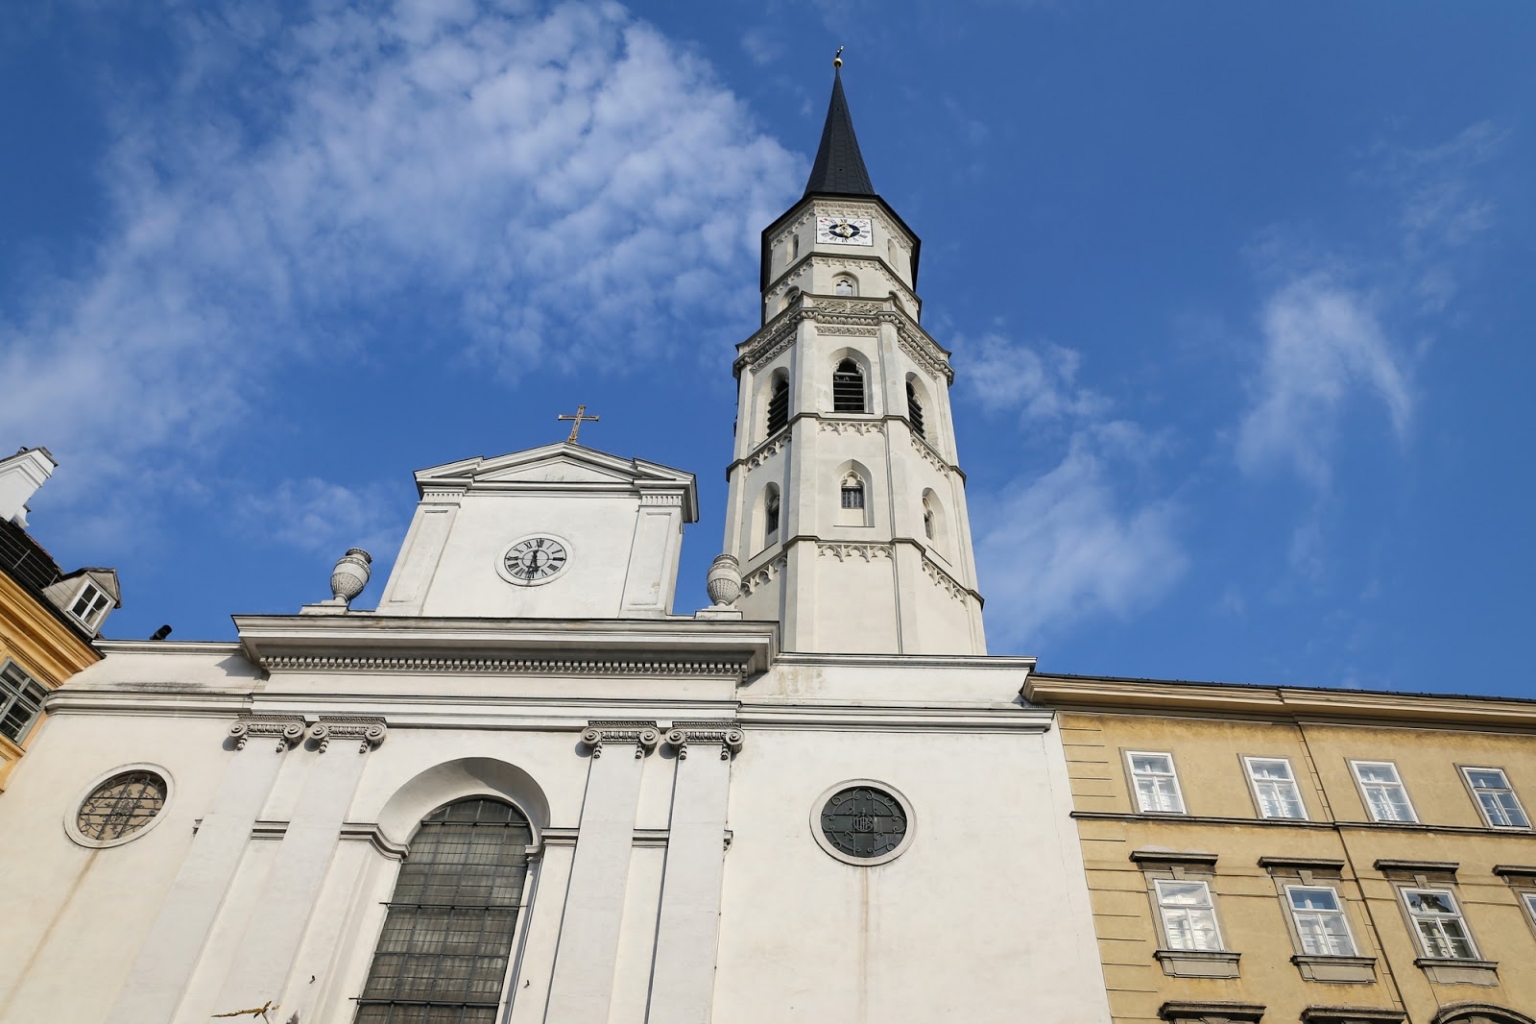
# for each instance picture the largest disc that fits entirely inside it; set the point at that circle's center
(529, 788)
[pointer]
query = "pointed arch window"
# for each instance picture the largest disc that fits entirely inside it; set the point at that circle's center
(778, 404)
(928, 518)
(771, 512)
(853, 492)
(448, 935)
(848, 387)
(846, 285)
(915, 411)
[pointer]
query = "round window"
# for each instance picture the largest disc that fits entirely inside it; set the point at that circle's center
(121, 807)
(863, 823)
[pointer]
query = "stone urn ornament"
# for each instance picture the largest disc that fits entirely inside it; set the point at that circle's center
(724, 580)
(350, 575)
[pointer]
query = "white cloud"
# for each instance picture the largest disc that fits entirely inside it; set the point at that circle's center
(325, 518)
(1066, 546)
(1073, 543)
(568, 181)
(1323, 342)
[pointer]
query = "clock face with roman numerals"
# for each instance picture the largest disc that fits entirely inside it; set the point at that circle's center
(534, 560)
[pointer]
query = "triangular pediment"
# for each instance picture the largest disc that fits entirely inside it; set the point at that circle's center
(562, 466)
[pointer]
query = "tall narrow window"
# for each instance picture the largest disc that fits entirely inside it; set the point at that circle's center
(1437, 919)
(1155, 782)
(928, 519)
(853, 492)
(1189, 919)
(1320, 921)
(1385, 795)
(1500, 807)
(848, 387)
(914, 411)
(794, 246)
(1274, 787)
(448, 934)
(21, 701)
(778, 405)
(771, 512)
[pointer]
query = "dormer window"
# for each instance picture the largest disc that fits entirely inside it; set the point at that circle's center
(89, 606)
(848, 387)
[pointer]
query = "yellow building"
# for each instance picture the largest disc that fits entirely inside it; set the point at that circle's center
(1314, 855)
(48, 618)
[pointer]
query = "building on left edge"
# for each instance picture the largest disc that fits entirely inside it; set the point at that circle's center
(49, 618)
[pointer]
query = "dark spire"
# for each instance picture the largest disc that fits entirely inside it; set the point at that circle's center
(839, 167)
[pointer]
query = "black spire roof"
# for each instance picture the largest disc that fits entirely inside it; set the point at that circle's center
(839, 167)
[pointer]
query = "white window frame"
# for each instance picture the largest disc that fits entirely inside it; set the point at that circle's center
(1254, 784)
(1466, 774)
(1209, 907)
(1528, 900)
(1459, 916)
(99, 603)
(1297, 914)
(13, 692)
(1173, 774)
(1365, 790)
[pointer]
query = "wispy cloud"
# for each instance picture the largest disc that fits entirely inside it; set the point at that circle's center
(325, 518)
(1323, 342)
(1076, 541)
(568, 182)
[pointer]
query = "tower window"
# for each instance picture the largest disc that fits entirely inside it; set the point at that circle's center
(848, 387)
(448, 933)
(853, 492)
(845, 285)
(771, 511)
(914, 411)
(794, 246)
(778, 406)
(927, 519)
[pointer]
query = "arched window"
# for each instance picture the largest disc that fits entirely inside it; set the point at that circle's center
(791, 297)
(914, 411)
(928, 518)
(848, 387)
(853, 492)
(794, 246)
(778, 404)
(845, 284)
(771, 513)
(448, 934)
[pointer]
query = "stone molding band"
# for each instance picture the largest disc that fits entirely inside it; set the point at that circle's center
(526, 666)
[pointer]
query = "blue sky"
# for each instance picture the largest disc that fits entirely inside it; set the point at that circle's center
(1239, 294)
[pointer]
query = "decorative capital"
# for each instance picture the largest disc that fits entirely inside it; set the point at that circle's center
(369, 732)
(287, 731)
(726, 734)
(644, 736)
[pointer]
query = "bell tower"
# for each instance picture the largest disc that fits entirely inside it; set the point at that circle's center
(847, 508)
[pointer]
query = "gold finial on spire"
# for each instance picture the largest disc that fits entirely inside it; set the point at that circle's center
(837, 58)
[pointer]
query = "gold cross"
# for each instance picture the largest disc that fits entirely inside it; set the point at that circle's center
(580, 418)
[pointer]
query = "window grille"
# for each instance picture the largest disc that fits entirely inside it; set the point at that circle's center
(848, 387)
(1320, 921)
(1156, 783)
(21, 701)
(853, 493)
(1442, 932)
(121, 806)
(778, 406)
(1385, 795)
(914, 411)
(443, 953)
(89, 605)
(771, 512)
(1189, 919)
(1275, 788)
(864, 822)
(1501, 808)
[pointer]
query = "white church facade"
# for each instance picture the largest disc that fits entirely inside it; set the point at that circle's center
(527, 789)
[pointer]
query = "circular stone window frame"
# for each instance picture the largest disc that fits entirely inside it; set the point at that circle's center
(501, 560)
(72, 816)
(862, 862)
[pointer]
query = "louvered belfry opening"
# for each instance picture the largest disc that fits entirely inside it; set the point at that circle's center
(778, 406)
(914, 411)
(448, 935)
(848, 387)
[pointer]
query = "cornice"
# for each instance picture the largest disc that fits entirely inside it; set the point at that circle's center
(1294, 704)
(1224, 821)
(833, 311)
(781, 439)
(365, 642)
(889, 719)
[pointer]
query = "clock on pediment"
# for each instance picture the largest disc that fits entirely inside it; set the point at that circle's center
(533, 561)
(845, 230)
